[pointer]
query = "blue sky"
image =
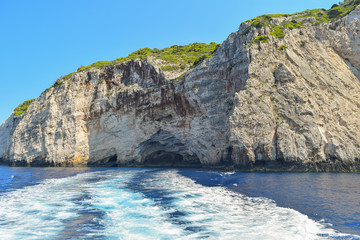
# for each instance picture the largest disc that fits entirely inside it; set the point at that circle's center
(42, 40)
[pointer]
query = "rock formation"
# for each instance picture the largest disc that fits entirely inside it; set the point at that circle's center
(287, 102)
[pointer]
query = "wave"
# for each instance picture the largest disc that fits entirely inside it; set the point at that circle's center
(148, 204)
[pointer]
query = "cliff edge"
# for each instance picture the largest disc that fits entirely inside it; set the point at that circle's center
(281, 93)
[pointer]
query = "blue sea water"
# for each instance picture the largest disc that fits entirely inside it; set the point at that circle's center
(155, 203)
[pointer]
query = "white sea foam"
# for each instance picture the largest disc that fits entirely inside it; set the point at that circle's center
(35, 212)
(222, 214)
(128, 214)
(57, 209)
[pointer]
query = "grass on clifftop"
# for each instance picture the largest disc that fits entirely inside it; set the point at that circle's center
(22, 108)
(187, 54)
(295, 20)
(174, 58)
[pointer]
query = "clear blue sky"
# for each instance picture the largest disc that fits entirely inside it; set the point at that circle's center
(42, 40)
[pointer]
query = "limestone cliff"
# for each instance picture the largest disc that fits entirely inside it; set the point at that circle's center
(269, 98)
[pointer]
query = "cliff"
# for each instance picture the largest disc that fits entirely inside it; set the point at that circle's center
(283, 92)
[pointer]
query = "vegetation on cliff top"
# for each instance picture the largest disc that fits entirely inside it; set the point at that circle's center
(187, 54)
(22, 108)
(173, 58)
(297, 20)
(336, 12)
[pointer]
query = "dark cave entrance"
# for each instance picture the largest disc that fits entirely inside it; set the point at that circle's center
(165, 150)
(170, 159)
(110, 161)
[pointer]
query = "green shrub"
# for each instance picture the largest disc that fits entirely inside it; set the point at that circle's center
(199, 60)
(261, 38)
(264, 20)
(246, 31)
(81, 68)
(58, 82)
(260, 21)
(181, 76)
(282, 47)
(22, 108)
(61, 79)
(278, 32)
(276, 15)
(170, 68)
(292, 24)
(334, 13)
(142, 53)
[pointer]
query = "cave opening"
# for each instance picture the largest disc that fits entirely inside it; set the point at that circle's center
(165, 150)
(110, 161)
(164, 158)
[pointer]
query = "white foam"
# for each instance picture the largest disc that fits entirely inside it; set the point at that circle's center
(223, 214)
(130, 215)
(35, 212)
(41, 211)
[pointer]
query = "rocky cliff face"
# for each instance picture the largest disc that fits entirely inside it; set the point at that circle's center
(290, 103)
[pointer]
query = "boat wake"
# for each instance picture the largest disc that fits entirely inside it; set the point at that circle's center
(148, 204)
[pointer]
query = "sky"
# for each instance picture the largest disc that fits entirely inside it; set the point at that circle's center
(41, 40)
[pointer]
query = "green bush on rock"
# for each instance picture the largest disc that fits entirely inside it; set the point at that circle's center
(22, 108)
(278, 32)
(261, 38)
(199, 60)
(292, 24)
(282, 47)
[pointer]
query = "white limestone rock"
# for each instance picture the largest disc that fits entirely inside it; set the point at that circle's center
(249, 106)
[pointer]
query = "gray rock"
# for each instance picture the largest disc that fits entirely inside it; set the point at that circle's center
(250, 106)
(282, 75)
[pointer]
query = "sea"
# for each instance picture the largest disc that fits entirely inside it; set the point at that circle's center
(170, 203)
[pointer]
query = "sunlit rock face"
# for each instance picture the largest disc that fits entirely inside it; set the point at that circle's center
(250, 106)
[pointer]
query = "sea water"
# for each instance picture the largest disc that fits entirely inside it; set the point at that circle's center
(155, 203)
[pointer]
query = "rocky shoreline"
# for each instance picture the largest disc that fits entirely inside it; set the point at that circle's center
(269, 166)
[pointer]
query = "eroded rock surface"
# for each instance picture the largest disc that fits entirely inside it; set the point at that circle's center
(250, 106)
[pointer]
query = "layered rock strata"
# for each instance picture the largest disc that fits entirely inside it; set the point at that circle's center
(253, 105)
